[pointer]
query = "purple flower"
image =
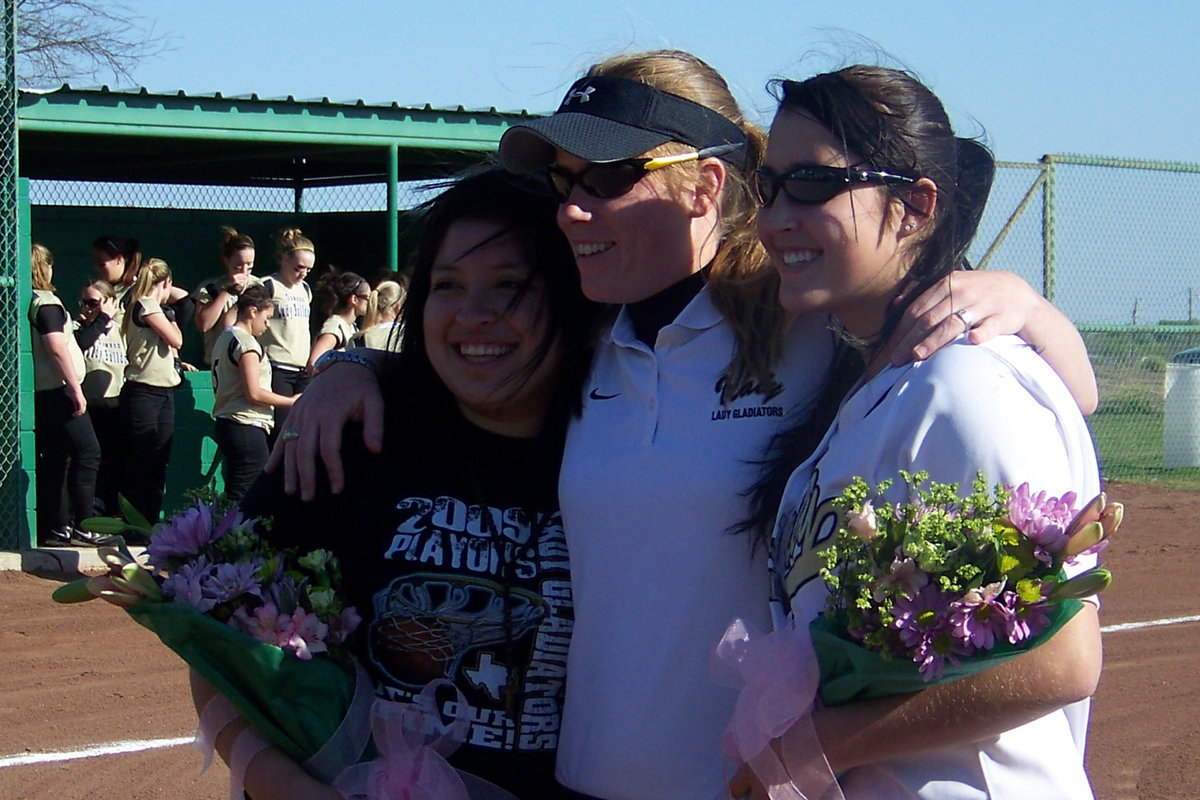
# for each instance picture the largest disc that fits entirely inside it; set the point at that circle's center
(981, 617)
(186, 585)
(1026, 620)
(185, 536)
(1044, 520)
(923, 624)
(228, 581)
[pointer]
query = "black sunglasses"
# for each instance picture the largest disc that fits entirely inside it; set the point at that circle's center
(88, 302)
(615, 178)
(817, 184)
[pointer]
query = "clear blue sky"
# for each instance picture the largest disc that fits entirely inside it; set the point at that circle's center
(1099, 78)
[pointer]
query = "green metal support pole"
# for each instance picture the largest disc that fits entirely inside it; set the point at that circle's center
(1048, 188)
(393, 206)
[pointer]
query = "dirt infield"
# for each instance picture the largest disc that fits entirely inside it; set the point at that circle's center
(87, 677)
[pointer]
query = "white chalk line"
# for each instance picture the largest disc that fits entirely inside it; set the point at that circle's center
(115, 748)
(1154, 623)
(110, 749)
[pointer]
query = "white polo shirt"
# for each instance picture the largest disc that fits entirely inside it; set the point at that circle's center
(652, 479)
(998, 408)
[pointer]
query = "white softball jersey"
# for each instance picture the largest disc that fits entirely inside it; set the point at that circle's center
(341, 331)
(46, 374)
(652, 479)
(287, 339)
(998, 408)
(151, 359)
(229, 394)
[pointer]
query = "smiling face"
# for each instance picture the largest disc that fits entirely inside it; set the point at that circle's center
(631, 247)
(844, 256)
(484, 324)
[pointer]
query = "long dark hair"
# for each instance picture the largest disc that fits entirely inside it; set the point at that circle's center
(896, 124)
(522, 208)
(335, 291)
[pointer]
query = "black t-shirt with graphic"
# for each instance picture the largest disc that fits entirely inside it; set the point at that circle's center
(452, 549)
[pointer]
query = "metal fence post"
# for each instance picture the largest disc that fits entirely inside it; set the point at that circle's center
(1048, 188)
(393, 207)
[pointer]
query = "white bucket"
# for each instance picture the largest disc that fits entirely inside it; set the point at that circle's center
(1181, 416)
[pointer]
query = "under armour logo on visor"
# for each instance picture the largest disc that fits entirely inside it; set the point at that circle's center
(583, 95)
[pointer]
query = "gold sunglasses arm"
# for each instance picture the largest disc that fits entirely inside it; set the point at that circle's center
(707, 152)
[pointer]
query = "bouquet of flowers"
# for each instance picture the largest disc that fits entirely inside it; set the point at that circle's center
(267, 628)
(264, 626)
(941, 586)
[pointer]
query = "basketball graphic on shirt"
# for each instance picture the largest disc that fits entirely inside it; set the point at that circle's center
(426, 623)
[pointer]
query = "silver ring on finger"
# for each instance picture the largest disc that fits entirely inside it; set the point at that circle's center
(968, 319)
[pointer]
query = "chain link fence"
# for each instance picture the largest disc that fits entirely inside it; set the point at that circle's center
(1113, 243)
(14, 523)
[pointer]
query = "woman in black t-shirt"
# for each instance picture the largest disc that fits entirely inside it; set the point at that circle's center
(451, 540)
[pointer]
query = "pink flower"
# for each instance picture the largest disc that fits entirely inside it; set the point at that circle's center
(862, 523)
(305, 634)
(904, 574)
(264, 623)
(344, 624)
(1044, 520)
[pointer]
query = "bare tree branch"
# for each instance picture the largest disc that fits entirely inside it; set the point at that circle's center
(63, 40)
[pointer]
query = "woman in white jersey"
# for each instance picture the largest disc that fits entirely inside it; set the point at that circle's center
(67, 451)
(243, 399)
(152, 341)
(865, 188)
(652, 160)
(382, 329)
(98, 334)
(288, 339)
(345, 297)
(216, 297)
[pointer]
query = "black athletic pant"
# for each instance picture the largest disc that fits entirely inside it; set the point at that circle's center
(148, 415)
(288, 382)
(67, 450)
(106, 420)
(244, 449)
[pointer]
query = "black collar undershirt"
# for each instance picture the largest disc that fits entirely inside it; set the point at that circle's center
(656, 312)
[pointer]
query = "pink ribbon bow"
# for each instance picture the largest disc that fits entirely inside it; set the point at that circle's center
(778, 676)
(413, 745)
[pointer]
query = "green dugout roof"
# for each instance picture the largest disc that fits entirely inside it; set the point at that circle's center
(142, 136)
